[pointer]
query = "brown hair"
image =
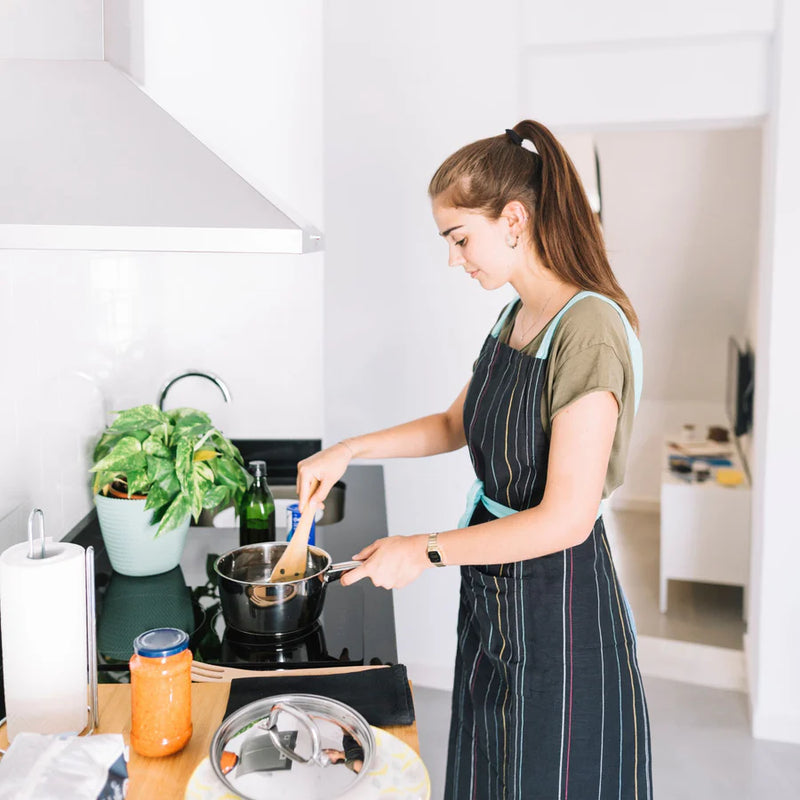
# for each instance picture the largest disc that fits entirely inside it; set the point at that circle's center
(488, 174)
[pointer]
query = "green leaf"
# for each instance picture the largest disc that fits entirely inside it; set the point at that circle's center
(158, 497)
(217, 496)
(228, 473)
(126, 456)
(154, 445)
(158, 514)
(177, 512)
(186, 417)
(103, 447)
(202, 468)
(138, 481)
(103, 478)
(159, 470)
(183, 464)
(225, 446)
(163, 475)
(140, 418)
(193, 432)
(199, 484)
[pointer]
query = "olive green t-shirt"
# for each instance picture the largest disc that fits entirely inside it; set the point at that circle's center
(589, 352)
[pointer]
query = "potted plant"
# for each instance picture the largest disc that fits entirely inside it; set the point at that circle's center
(153, 471)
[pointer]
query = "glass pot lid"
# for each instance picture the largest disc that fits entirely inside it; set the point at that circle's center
(312, 746)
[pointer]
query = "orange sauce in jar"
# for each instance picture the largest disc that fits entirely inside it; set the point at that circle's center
(161, 692)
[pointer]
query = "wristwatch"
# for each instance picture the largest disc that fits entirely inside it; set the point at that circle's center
(435, 555)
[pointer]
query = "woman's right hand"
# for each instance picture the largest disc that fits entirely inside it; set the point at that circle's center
(321, 470)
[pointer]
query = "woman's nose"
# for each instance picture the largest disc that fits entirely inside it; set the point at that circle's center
(455, 257)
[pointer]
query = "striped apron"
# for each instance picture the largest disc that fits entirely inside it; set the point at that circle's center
(548, 701)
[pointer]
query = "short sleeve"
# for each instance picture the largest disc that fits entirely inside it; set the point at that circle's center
(589, 353)
(596, 367)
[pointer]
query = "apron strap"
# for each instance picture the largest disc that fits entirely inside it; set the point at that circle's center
(503, 317)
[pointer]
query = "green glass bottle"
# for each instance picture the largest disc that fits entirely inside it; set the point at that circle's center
(257, 514)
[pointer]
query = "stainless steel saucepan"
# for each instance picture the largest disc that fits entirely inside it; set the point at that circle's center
(251, 604)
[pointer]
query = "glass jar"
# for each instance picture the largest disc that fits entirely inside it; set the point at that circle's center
(161, 692)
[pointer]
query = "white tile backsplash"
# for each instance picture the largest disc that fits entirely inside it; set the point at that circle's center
(83, 334)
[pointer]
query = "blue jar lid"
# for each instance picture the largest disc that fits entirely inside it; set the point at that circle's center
(161, 642)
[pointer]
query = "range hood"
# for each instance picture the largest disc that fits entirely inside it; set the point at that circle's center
(89, 162)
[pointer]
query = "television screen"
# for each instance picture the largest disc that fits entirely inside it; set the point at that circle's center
(739, 388)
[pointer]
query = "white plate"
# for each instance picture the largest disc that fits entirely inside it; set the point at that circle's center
(398, 773)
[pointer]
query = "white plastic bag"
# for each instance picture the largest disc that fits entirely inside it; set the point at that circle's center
(53, 767)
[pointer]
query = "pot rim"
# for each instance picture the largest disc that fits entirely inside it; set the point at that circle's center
(116, 494)
(319, 574)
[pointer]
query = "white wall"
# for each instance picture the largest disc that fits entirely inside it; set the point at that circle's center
(681, 216)
(573, 22)
(646, 64)
(245, 78)
(85, 333)
(402, 330)
(44, 29)
(772, 643)
(405, 85)
(88, 333)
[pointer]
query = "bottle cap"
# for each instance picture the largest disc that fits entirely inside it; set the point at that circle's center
(258, 468)
(161, 642)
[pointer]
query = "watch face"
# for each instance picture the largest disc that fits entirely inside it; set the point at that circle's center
(434, 557)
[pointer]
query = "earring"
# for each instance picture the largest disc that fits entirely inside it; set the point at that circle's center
(512, 241)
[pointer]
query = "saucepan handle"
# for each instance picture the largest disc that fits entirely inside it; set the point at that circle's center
(335, 571)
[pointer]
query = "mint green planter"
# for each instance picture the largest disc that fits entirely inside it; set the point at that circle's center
(130, 540)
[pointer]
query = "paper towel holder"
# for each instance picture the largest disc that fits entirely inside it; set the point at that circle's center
(91, 621)
(91, 624)
(38, 550)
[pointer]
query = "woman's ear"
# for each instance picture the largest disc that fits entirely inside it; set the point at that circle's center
(516, 217)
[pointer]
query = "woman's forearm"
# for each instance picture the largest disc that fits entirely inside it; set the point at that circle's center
(395, 561)
(426, 436)
(527, 534)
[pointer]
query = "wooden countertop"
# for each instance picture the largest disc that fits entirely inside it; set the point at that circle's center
(166, 778)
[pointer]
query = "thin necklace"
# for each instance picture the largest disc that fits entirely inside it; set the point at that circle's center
(522, 338)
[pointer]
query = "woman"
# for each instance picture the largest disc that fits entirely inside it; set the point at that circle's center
(548, 700)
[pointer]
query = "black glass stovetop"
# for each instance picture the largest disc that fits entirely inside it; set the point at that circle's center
(128, 606)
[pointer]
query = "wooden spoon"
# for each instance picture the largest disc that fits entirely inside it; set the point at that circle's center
(292, 564)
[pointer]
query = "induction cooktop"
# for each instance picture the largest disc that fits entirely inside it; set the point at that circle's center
(128, 606)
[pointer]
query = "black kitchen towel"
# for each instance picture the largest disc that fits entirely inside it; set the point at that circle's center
(381, 695)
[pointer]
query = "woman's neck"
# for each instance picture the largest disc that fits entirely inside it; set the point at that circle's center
(538, 286)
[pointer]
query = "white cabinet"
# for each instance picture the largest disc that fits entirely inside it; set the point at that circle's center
(705, 529)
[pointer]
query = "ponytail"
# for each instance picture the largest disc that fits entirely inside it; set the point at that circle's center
(488, 174)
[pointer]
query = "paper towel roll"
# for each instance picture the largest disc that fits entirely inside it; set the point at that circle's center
(43, 621)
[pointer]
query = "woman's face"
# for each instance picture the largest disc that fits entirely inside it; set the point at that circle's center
(476, 243)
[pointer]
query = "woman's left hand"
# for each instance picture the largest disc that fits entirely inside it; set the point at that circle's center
(392, 562)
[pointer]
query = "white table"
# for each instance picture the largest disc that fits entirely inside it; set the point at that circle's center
(705, 528)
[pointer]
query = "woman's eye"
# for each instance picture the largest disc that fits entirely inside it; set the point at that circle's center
(461, 242)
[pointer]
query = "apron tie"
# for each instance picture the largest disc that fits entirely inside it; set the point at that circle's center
(478, 495)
